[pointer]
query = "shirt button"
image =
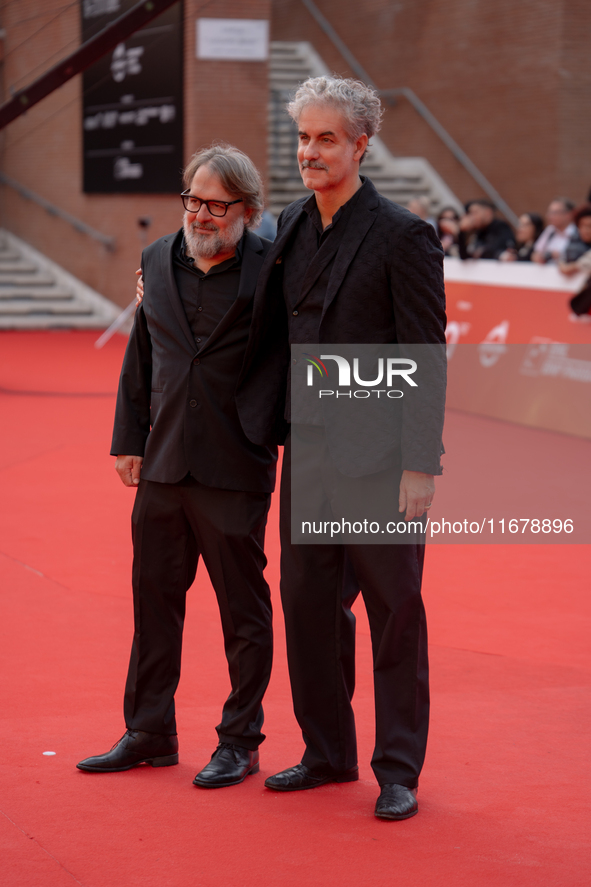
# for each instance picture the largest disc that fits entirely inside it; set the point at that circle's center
(192, 403)
(197, 340)
(200, 308)
(295, 313)
(197, 361)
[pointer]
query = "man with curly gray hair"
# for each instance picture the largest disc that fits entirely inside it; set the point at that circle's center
(361, 106)
(356, 268)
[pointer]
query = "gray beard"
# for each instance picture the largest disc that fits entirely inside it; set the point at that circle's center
(204, 246)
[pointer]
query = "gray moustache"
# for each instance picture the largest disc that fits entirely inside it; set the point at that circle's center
(210, 227)
(308, 164)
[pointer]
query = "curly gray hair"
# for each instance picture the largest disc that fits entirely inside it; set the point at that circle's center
(360, 104)
(237, 173)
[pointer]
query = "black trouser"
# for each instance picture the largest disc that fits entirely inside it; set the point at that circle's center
(172, 525)
(317, 589)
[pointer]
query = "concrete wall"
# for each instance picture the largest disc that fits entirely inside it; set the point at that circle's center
(43, 149)
(510, 81)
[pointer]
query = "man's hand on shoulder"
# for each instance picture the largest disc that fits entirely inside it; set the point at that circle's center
(129, 468)
(139, 288)
(416, 493)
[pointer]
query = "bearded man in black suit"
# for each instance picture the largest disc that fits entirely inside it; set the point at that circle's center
(203, 484)
(357, 268)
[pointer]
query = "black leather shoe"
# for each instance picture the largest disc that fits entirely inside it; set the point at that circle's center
(298, 778)
(229, 765)
(136, 747)
(397, 802)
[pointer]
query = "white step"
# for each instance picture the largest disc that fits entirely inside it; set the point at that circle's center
(12, 279)
(36, 293)
(13, 266)
(47, 308)
(39, 293)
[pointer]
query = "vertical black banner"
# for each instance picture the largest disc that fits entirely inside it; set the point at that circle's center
(133, 105)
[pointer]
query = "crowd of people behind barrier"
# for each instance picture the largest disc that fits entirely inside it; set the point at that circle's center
(563, 238)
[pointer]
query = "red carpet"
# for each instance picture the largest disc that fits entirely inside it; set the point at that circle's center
(505, 791)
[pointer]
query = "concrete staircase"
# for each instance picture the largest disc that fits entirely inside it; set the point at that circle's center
(35, 293)
(398, 178)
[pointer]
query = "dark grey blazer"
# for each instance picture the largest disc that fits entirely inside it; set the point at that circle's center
(163, 372)
(386, 286)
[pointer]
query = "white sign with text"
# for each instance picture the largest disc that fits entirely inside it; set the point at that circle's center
(239, 39)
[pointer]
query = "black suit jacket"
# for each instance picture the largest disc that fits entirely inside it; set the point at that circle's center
(386, 286)
(164, 375)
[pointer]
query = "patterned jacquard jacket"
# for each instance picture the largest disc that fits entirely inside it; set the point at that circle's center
(386, 286)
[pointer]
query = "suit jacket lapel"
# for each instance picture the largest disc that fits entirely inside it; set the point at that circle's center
(273, 258)
(173, 294)
(265, 292)
(315, 268)
(274, 255)
(360, 221)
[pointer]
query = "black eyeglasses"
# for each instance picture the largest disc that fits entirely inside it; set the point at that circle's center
(217, 208)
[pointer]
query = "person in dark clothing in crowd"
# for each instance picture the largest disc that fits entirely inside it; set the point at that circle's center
(481, 235)
(581, 303)
(528, 230)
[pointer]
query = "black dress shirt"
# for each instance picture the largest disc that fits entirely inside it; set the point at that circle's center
(206, 297)
(307, 266)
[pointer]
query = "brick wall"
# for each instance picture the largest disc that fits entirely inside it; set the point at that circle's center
(43, 149)
(511, 82)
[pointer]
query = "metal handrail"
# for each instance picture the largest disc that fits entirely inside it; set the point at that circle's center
(455, 149)
(82, 57)
(108, 242)
(340, 44)
(419, 107)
